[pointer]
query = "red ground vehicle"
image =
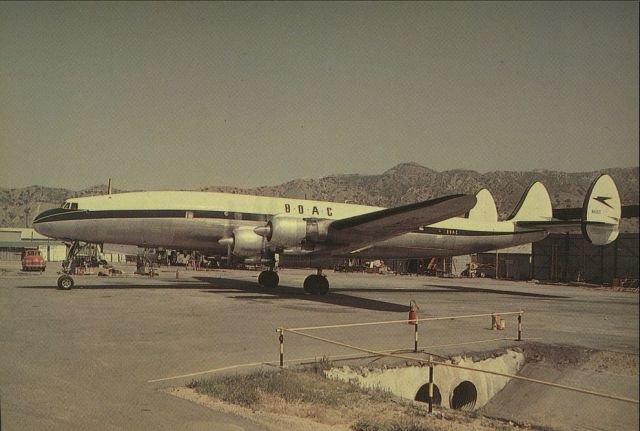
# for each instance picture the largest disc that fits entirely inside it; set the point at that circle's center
(32, 260)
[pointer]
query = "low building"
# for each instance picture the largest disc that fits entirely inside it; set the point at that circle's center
(14, 241)
(569, 257)
(513, 263)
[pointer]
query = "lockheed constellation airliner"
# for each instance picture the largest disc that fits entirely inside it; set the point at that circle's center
(259, 228)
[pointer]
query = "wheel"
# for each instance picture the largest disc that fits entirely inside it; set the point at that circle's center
(308, 283)
(65, 282)
(316, 285)
(323, 285)
(269, 279)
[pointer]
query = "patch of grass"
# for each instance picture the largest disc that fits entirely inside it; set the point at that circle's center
(319, 367)
(289, 385)
(407, 424)
(307, 393)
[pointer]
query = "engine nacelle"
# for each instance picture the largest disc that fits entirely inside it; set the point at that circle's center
(246, 243)
(284, 231)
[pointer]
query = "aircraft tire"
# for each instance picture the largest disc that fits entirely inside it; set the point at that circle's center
(323, 286)
(65, 282)
(306, 286)
(316, 285)
(269, 279)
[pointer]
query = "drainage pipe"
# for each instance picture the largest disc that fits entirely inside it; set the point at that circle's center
(495, 373)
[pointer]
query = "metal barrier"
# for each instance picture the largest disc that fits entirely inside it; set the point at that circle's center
(413, 320)
(430, 362)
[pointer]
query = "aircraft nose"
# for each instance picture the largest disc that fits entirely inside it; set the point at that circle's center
(43, 215)
(55, 214)
(37, 222)
(38, 227)
(43, 222)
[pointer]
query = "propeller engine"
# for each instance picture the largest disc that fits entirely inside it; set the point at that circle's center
(287, 232)
(244, 242)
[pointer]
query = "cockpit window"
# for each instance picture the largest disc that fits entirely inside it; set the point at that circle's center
(66, 205)
(74, 206)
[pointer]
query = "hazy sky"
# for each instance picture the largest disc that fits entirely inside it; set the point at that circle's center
(180, 95)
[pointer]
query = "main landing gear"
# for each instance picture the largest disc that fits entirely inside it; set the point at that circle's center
(65, 281)
(269, 279)
(316, 284)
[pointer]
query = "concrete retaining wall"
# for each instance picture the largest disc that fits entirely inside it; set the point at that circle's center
(406, 382)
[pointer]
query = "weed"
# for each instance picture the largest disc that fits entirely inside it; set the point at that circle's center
(397, 425)
(319, 367)
(292, 386)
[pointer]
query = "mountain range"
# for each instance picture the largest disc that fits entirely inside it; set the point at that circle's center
(402, 184)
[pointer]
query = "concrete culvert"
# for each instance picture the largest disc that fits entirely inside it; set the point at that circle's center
(423, 394)
(464, 396)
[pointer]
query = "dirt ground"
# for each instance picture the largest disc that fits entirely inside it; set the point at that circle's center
(607, 372)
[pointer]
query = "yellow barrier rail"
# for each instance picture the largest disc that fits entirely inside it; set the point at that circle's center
(431, 363)
(424, 319)
(412, 320)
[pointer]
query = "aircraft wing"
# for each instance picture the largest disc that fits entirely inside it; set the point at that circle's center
(358, 231)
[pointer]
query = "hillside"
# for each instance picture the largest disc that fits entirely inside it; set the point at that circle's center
(19, 206)
(404, 183)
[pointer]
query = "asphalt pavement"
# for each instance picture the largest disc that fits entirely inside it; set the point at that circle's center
(84, 358)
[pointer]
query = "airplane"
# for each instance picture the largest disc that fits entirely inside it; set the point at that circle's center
(261, 228)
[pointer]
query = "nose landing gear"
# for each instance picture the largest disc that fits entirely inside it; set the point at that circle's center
(65, 281)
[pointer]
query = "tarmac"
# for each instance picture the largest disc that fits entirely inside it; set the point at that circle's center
(84, 358)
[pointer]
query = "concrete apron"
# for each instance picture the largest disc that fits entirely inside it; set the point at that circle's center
(457, 389)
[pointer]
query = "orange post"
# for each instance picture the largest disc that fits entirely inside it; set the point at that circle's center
(413, 309)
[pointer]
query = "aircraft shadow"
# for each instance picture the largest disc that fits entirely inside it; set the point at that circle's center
(223, 285)
(463, 289)
(226, 285)
(334, 297)
(182, 284)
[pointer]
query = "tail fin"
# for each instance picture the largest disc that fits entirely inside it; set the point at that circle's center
(534, 205)
(601, 211)
(485, 208)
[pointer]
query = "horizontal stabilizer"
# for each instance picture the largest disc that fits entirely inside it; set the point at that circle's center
(552, 226)
(628, 211)
(387, 223)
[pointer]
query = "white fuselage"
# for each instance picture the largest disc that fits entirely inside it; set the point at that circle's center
(197, 220)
